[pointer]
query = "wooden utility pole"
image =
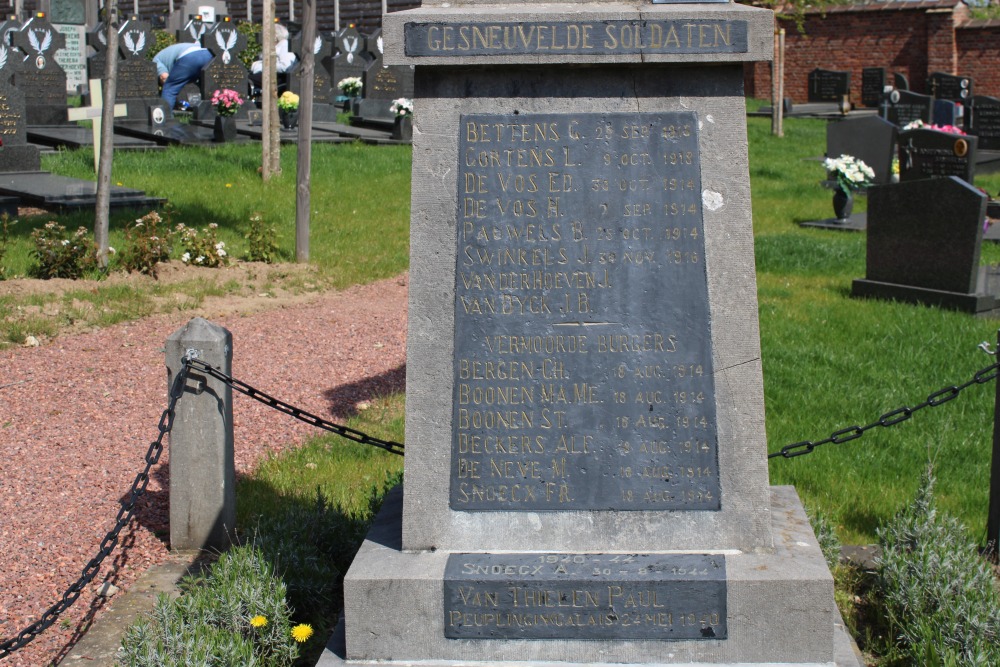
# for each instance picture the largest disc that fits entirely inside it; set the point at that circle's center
(102, 210)
(271, 145)
(304, 165)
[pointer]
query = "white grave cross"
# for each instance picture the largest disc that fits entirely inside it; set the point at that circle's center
(94, 113)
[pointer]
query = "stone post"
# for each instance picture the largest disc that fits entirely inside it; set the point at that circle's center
(202, 469)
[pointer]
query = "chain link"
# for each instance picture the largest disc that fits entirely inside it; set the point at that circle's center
(110, 541)
(891, 418)
(292, 411)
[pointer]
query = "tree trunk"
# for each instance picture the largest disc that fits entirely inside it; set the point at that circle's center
(102, 209)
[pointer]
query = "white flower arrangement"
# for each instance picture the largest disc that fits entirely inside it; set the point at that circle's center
(850, 172)
(350, 86)
(402, 107)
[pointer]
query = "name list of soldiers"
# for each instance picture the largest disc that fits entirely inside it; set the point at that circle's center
(583, 367)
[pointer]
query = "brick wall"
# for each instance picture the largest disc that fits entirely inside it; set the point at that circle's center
(913, 38)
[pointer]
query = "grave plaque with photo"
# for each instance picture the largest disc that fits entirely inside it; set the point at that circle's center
(225, 70)
(905, 107)
(873, 82)
(15, 152)
(950, 87)
(982, 119)
(829, 85)
(40, 78)
(929, 153)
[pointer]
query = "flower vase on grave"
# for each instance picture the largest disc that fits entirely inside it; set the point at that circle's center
(289, 119)
(843, 203)
(225, 129)
(402, 128)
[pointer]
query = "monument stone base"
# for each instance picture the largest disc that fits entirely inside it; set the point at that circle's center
(780, 610)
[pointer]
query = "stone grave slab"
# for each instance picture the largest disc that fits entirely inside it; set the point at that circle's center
(905, 107)
(74, 137)
(170, 133)
(829, 85)
(924, 241)
(40, 79)
(39, 188)
(868, 138)
(950, 87)
(291, 136)
(928, 153)
(16, 154)
(982, 118)
(873, 82)
(583, 362)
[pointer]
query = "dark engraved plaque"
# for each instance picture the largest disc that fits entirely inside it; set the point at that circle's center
(873, 80)
(575, 37)
(583, 362)
(585, 596)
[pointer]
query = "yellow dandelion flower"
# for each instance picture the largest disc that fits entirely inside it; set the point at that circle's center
(258, 621)
(302, 632)
(229, 185)
(118, 183)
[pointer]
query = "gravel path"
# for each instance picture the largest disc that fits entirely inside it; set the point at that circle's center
(77, 416)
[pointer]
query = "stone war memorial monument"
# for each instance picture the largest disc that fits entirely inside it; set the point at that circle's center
(586, 473)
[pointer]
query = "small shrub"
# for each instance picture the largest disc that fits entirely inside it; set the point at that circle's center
(261, 243)
(252, 51)
(5, 224)
(201, 248)
(236, 615)
(935, 595)
(59, 255)
(829, 543)
(161, 40)
(147, 243)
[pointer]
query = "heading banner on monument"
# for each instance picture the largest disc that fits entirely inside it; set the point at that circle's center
(612, 37)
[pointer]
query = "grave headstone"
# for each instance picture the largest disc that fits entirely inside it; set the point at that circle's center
(927, 153)
(193, 30)
(868, 138)
(351, 58)
(137, 83)
(381, 84)
(873, 82)
(900, 82)
(14, 55)
(15, 152)
(829, 85)
(324, 92)
(904, 107)
(73, 56)
(40, 78)
(946, 112)
(950, 87)
(924, 240)
(225, 70)
(982, 119)
(585, 417)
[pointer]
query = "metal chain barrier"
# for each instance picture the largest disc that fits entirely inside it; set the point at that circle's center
(891, 418)
(110, 540)
(292, 411)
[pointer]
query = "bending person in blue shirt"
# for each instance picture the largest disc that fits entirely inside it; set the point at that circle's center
(178, 65)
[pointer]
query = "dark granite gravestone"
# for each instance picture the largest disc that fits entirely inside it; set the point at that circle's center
(873, 82)
(923, 245)
(982, 118)
(324, 91)
(950, 87)
(927, 154)
(946, 112)
(869, 138)
(225, 70)
(351, 58)
(15, 153)
(8, 26)
(193, 30)
(829, 85)
(40, 78)
(900, 82)
(905, 107)
(381, 85)
(137, 83)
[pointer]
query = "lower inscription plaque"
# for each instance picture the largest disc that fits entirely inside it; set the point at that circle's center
(585, 596)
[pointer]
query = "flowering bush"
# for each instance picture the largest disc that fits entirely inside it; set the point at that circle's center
(921, 125)
(60, 255)
(288, 101)
(146, 245)
(227, 102)
(204, 249)
(261, 244)
(402, 107)
(849, 172)
(350, 86)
